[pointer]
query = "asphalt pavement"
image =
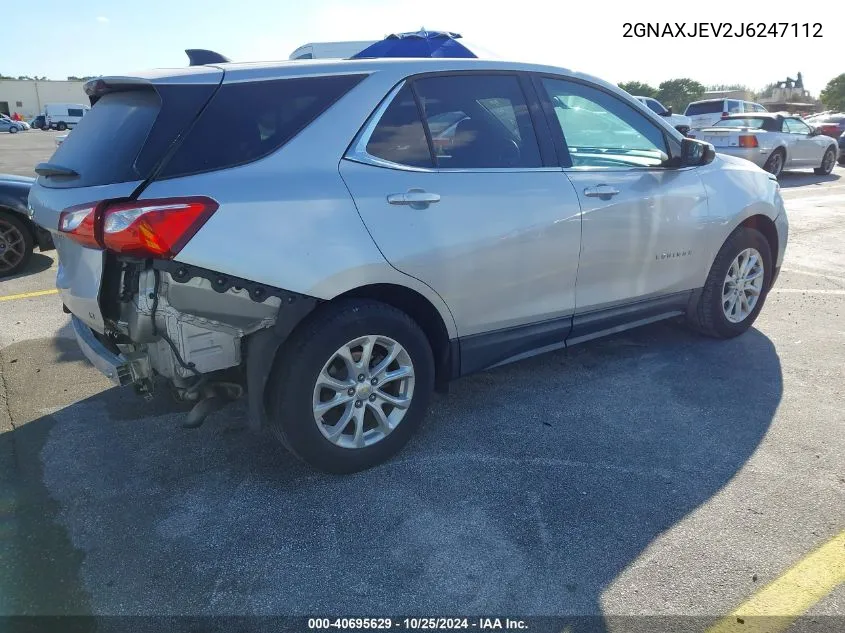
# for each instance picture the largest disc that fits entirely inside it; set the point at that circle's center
(653, 472)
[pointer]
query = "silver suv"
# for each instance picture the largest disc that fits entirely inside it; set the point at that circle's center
(306, 234)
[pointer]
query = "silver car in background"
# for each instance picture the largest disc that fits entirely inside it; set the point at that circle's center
(366, 231)
(773, 141)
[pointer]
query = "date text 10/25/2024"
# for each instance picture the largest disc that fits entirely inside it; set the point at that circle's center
(414, 624)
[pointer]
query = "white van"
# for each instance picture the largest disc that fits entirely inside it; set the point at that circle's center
(707, 112)
(61, 116)
(329, 50)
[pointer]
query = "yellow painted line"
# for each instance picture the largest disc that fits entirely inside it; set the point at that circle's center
(27, 295)
(774, 608)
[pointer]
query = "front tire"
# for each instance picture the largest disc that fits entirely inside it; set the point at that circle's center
(13, 130)
(351, 386)
(16, 244)
(736, 287)
(828, 161)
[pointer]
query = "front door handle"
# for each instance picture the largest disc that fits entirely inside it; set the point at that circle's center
(414, 198)
(605, 192)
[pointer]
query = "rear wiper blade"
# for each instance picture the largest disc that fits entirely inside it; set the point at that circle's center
(51, 169)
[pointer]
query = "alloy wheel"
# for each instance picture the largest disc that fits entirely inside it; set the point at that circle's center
(827, 163)
(363, 392)
(12, 246)
(776, 164)
(743, 285)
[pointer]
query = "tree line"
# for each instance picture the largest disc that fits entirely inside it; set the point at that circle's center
(678, 93)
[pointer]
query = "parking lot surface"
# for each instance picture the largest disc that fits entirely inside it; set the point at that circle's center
(653, 472)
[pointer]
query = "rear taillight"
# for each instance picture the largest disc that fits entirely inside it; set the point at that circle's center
(139, 228)
(78, 224)
(748, 141)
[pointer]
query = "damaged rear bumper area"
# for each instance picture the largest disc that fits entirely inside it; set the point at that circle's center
(210, 335)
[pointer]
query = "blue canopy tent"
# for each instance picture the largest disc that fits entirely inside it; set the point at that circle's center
(420, 43)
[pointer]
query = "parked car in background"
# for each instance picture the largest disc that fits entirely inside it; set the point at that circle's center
(706, 112)
(832, 125)
(842, 149)
(339, 349)
(61, 116)
(13, 127)
(18, 234)
(39, 123)
(773, 141)
(680, 122)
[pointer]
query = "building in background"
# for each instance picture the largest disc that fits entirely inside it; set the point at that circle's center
(29, 96)
(789, 96)
(742, 95)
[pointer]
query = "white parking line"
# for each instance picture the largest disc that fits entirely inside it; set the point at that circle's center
(807, 292)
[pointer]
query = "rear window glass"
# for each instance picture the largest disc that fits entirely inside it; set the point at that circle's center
(247, 121)
(104, 144)
(704, 107)
(752, 122)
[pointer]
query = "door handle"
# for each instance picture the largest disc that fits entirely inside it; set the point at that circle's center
(414, 198)
(605, 192)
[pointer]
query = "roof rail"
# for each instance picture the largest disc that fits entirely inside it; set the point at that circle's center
(201, 56)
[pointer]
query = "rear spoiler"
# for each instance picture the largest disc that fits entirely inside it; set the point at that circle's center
(96, 88)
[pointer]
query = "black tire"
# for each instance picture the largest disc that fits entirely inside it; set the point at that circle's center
(61, 127)
(300, 361)
(14, 230)
(828, 161)
(13, 129)
(708, 315)
(775, 166)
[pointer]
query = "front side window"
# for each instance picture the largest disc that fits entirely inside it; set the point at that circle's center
(75, 112)
(478, 122)
(796, 126)
(655, 106)
(602, 131)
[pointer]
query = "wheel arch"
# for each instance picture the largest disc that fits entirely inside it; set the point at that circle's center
(765, 225)
(427, 316)
(25, 221)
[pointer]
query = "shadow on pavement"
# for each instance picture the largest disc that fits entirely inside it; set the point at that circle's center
(790, 179)
(37, 264)
(528, 491)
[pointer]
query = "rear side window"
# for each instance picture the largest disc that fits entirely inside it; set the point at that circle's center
(247, 121)
(75, 112)
(492, 128)
(399, 136)
(734, 107)
(704, 107)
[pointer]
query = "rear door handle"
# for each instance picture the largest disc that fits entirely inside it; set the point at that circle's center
(605, 192)
(414, 199)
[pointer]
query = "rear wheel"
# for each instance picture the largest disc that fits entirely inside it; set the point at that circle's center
(13, 129)
(15, 244)
(736, 287)
(61, 127)
(775, 163)
(351, 386)
(828, 161)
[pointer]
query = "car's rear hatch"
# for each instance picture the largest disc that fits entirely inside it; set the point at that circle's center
(724, 136)
(704, 114)
(135, 122)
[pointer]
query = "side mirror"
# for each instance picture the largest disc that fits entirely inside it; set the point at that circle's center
(814, 131)
(695, 152)
(668, 111)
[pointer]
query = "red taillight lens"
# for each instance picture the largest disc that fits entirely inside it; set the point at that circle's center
(140, 228)
(154, 228)
(78, 224)
(748, 141)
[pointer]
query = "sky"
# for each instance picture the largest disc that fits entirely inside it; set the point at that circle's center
(99, 37)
